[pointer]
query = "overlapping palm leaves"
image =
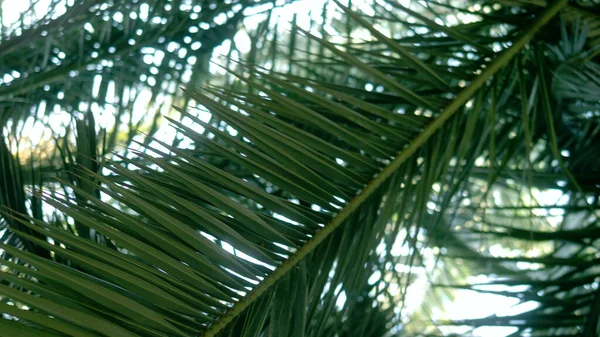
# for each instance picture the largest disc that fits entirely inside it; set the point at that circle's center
(67, 63)
(314, 156)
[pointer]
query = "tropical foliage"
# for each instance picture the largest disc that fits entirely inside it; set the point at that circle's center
(351, 177)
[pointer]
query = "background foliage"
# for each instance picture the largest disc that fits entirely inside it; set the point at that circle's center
(116, 223)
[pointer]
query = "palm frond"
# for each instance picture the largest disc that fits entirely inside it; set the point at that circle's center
(221, 236)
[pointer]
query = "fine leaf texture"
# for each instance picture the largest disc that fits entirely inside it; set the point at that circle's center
(236, 234)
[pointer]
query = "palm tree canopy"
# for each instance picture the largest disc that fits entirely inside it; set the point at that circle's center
(352, 175)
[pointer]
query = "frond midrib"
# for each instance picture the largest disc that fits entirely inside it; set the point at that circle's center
(406, 153)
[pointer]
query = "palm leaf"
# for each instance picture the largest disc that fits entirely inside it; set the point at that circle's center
(318, 157)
